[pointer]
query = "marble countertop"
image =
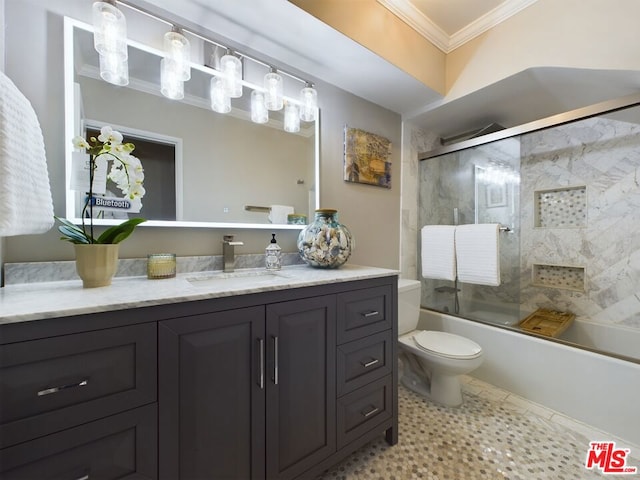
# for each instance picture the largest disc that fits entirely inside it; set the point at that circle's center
(37, 301)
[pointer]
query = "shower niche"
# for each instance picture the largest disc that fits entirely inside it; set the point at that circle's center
(561, 208)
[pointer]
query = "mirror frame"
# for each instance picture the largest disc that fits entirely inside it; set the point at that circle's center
(72, 120)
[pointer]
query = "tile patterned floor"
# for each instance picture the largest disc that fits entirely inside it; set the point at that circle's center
(493, 435)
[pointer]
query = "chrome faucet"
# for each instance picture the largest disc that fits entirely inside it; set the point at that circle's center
(228, 254)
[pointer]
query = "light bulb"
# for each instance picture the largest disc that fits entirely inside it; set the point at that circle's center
(114, 69)
(178, 49)
(309, 103)
(259, 112)
(110, 30)
(171, 85)
(291, 118)
(231, 67)
(220, 100)
(273, 90)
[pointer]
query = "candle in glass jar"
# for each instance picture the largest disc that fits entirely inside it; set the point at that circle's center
(161, 265)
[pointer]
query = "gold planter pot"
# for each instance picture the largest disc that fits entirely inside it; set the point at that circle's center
(96, 264)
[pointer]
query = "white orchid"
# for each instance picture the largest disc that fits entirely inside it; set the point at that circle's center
(110, 136)
(126, 172)
(80, 143)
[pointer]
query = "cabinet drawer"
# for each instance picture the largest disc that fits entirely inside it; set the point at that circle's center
(362, 361)
(56, 383)
(364, 409)
(121, 446)
(364, 312)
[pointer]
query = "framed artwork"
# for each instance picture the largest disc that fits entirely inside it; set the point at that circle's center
(366, 158)
(496, 196)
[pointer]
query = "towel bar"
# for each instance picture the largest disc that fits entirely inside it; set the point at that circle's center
(254, 208)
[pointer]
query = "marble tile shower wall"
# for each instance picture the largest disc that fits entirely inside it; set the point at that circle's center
(414, 141)
(603, 155)
(600, 154)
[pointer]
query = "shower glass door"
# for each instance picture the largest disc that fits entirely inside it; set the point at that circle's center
(479, 185)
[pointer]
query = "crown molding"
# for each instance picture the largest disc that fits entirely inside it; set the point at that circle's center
(408, 13)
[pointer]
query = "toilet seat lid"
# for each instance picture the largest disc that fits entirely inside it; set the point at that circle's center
(447, 344)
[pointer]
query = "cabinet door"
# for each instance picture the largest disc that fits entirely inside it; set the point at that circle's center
(211, 399)
(301, 393)
(121, 446)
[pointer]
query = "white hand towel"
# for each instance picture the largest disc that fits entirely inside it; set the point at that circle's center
(438, 252)
(26, 206)
(278, 213)
(478, 253)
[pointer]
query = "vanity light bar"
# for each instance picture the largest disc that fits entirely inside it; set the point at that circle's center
(201, 37)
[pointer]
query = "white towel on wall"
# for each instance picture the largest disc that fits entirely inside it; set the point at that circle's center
(478, 253)
(438, 252)
(278, 213)
(26, 206)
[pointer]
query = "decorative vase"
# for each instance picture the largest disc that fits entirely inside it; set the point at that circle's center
(325, 243)
(96, 263)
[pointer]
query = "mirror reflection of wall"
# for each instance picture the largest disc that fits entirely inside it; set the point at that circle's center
(226, 161)
(159, 161)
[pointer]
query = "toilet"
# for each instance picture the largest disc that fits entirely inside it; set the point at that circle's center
(432, 360)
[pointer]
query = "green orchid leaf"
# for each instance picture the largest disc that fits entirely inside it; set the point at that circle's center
(118, 233)
(72, 235)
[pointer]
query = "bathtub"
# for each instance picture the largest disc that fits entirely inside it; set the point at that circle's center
(596, 389)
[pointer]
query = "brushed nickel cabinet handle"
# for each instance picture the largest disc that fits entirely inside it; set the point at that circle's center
(261, 382)
(369, 364)
(371, 314)
(370, 412)
(275, 360)
(49, 391)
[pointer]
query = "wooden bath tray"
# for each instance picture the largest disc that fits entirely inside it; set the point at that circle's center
(547, 322)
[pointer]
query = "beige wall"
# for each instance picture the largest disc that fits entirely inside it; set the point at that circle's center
(376, 28)
(568, 33)
(34, 33)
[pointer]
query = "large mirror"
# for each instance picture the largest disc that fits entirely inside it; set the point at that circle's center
(202, 168)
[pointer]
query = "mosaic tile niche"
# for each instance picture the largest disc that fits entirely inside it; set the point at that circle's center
(561, 208)
(557, 276)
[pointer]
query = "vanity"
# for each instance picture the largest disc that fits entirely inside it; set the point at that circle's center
(275, 377)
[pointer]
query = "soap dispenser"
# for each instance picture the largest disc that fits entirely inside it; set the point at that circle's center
(272, 254)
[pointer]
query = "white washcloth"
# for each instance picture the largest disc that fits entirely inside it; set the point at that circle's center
(278, 213)
(438, 252)
(26, 206)
(478, 253)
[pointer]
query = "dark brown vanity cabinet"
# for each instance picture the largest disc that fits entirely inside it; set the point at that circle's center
(242, 386)
(80, 404)
(277, 385)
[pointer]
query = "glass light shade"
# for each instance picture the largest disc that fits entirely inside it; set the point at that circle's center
(309, 103)
(273, 86)
(291, 118)
(231, 67)
(220, 100)
(114, 69)
(171, 84)
(178, 49)
(110, 30)
(259, 112)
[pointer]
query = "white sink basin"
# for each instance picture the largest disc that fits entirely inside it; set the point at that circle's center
(239, 279)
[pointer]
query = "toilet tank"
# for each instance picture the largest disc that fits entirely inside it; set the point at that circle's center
(408, 305)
